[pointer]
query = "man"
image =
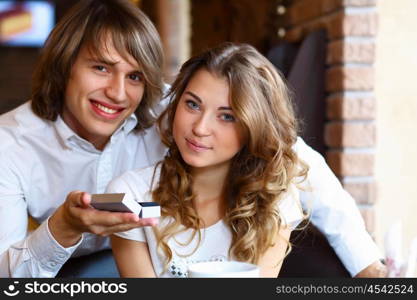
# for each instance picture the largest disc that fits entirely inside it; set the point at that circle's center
(95, 95)
(100, 65)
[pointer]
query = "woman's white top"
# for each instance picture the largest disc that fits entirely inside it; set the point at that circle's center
(215, 239)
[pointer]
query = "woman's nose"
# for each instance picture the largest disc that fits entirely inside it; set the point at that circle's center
(202, 126)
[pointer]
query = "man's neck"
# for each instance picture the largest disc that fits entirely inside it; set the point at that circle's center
(99, 142)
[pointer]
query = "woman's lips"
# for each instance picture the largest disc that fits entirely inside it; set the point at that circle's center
(197, 146)
(106, 110)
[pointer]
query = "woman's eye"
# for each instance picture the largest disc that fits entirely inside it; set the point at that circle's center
(192, 104)
(227, 117)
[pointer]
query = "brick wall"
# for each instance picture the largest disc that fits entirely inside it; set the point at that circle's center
(350, 131)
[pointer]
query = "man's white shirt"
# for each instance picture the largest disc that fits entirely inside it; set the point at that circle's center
(42, 161)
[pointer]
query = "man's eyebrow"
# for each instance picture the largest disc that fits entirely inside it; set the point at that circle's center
(110, 63)
(199, 100)
(102, 61)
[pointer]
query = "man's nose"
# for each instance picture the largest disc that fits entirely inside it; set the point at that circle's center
(116, 89)
(202, 126)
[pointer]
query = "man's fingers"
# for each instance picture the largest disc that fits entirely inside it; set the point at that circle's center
(127, 226)
(148, 222)
(84, 218)
(85, 199)
(104, 222)
(75, 198)
(105, 218)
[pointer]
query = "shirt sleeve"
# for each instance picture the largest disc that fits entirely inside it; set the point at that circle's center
(24, 254)
(133, 188)
(290, 209)
(335, 213)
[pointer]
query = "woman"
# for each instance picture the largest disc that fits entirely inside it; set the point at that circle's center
(227, 186)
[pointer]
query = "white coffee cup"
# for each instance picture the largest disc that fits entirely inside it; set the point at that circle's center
(222, 269)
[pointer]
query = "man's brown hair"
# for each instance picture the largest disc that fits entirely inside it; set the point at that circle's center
(88, 24)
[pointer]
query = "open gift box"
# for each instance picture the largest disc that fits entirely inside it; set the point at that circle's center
(117, 202)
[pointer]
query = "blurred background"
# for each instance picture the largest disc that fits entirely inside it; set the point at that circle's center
(350, 63)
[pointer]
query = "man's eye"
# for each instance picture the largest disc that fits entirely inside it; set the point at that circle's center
(100, 68)
(192, 104)
(227, 117)
(135, 77)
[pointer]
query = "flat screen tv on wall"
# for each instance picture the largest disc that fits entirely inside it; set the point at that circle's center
(25, 23)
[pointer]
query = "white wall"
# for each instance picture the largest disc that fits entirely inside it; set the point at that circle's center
(396, 94)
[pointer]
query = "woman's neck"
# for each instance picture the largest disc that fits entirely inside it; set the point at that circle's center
(209, 185)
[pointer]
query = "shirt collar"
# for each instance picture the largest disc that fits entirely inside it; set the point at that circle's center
(129, 124)
(66, 134)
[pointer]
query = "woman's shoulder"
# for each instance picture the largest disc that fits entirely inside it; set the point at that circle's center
(137, 181)
(141, 175)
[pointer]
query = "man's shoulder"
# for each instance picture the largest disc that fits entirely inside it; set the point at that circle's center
(300, 145)
(18, 123)
(306, 153)
(160, 106)
(21, 117)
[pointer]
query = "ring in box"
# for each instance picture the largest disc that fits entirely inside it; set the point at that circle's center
(117, 202)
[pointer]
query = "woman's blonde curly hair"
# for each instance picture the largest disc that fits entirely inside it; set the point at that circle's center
(260, 174)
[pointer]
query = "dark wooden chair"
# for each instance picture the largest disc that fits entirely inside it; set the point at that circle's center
(312, 256)
(303, 65)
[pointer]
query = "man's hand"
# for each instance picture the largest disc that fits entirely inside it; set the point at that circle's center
(75, 216)
(375, 270)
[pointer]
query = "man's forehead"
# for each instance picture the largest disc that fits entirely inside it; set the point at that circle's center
(106, 52)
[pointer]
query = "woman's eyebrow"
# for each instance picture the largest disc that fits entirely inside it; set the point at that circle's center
(200, 101)
(224, 108)
(194, 96)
